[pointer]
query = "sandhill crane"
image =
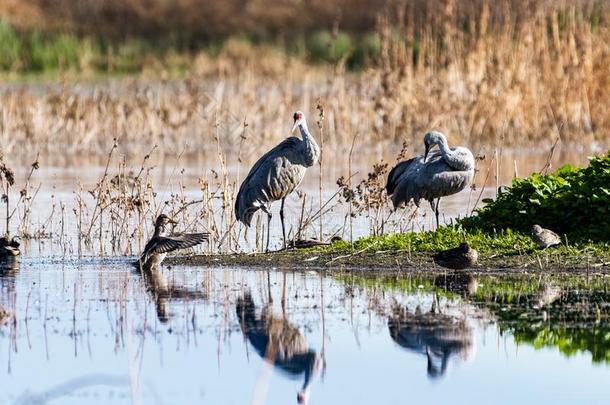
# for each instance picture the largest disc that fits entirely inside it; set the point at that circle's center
(276, 174)
(162, 242)
(433, 175)
(279, 342)
(437, 336)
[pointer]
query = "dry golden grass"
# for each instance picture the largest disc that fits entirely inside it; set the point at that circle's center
(499, 73)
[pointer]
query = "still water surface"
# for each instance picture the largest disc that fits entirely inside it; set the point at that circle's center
(97, 331)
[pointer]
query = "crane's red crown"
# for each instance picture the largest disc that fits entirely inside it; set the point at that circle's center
(297, 115)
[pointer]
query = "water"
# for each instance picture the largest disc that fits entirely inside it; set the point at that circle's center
(97, 331)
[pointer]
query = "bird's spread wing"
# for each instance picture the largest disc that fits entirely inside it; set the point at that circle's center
(165, 244)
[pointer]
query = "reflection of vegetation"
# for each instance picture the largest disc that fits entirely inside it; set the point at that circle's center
(572, 200)
(571, 313)
(575, 322)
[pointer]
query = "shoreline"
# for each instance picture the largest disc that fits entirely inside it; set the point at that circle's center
(384, 262)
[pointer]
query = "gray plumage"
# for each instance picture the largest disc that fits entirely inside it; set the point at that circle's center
(543, 237)
(432, 175)
(276, 174)
(162, 243)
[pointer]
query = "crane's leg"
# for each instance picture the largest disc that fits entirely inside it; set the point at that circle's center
(282, 219)
(435, 209)
(268, 212)
(438, 200)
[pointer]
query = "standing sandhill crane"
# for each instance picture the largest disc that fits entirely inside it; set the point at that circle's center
(433, 175)
(276, 174)
(279, 342)
(162, 242)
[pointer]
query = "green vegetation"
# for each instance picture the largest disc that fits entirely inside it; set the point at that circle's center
(506, 242)
(572, 201)
(444, 238)
(38, 51)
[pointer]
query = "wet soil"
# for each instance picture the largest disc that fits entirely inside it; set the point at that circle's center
(391, 261)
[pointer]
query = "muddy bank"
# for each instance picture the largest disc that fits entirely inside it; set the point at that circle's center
(391, 261)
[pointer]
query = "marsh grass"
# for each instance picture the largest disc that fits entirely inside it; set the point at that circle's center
(485, 73)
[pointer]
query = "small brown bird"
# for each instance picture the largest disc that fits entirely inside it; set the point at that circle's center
(544, 238)
(459, 258)
(162, 243)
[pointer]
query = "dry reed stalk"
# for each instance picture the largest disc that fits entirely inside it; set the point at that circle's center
(320, 122)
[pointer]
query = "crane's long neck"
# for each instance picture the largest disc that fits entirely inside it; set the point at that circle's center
(452, 157)
(311, 371)
(311, 152)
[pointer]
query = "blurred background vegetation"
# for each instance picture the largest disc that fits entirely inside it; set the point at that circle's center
(125, 36)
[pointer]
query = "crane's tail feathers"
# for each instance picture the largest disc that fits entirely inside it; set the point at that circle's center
(395, 174)
(246, 216)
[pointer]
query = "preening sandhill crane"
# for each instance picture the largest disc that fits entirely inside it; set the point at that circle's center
(276, 174)
(163, 242)
(437, 336)
(434, 175)
(279, 342)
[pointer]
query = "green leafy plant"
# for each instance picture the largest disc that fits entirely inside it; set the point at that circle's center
(572, 201)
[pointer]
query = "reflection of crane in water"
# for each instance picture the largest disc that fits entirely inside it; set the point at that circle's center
(279, 342)
(9, 266)
(162, 291)
(437, 336)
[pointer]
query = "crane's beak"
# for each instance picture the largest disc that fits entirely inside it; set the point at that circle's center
(296, 124)
(173, 222)
(426, 153)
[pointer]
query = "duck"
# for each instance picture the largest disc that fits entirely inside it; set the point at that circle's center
(459, 258)
(9, 247)
(543, 237)
(163, 242)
